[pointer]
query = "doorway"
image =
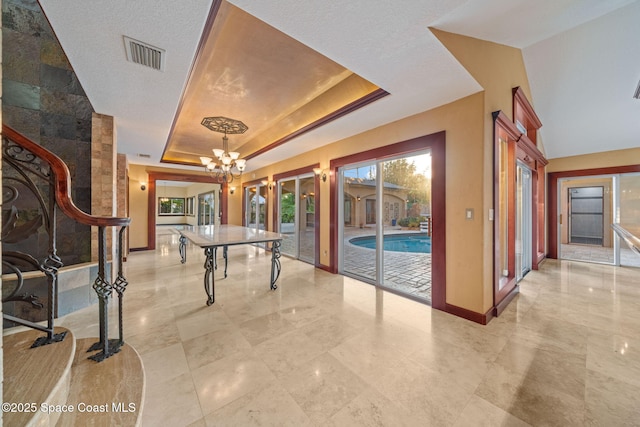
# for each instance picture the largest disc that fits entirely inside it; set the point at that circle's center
(297, 216)
(206, 208)
(523, 221)
(384, 238)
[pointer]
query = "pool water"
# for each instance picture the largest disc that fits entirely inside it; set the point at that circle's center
(413, 242)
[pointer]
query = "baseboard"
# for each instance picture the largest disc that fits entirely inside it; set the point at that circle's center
(502, 305)
(325, 268)
(480, 318)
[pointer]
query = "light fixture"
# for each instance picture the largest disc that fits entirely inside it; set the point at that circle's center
(318, 172)
(268, 184)
(143, 186)
(358, 197)
(228, 159)
(232, 190)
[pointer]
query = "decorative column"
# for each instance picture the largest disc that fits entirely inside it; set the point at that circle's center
(103, 178)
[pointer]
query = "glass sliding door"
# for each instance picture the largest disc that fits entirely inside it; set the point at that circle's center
(255, 208)
(523, 221)
(358, 250)
(307, 219)
(288, 216)
(385, 224)
(206, 209)
(629, 215)
(297, 216)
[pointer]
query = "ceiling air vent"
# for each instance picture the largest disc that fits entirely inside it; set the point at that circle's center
(637, 94)
(146, 156)
(144, 54)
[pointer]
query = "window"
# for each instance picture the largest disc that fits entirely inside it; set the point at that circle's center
(171, 205)
(189, 208)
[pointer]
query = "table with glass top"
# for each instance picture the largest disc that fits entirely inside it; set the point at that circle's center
(211, 237)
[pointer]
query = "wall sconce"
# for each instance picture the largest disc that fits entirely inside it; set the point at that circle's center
(232, 190)
(269, 184)
(358, 197)
(318, 172)
(143, 186)
(304, 195)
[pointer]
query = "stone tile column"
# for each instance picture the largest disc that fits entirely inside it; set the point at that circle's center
(103, 178)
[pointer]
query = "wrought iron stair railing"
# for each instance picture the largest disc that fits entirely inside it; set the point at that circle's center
(30, 168)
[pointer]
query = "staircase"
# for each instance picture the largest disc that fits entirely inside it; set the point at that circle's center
(57, 385)
(50, 377)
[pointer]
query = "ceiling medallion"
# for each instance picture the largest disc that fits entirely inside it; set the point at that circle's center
(228, 160)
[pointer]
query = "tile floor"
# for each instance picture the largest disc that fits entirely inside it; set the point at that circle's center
(327, 350)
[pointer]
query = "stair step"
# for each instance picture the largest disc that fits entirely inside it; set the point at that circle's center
(36, 376)
(107, 393)
(60, 377)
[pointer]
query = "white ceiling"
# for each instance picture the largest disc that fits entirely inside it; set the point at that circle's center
(581, 57)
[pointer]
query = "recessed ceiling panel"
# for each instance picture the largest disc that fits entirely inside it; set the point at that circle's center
(249, 71)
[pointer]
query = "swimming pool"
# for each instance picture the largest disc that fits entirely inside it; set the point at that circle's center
(408, 242)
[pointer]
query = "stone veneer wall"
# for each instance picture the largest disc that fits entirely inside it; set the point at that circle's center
(1, 339)
(103, 176)
(44, 100)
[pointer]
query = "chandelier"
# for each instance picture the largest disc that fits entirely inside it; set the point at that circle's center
(229, 160)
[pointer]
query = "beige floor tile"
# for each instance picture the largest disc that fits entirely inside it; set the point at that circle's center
(271, 406)
(373, 409)
(611, 402)
(225, 380)
(529, 400)
(481, 413)
(322, 387)
(325, 349)
(164, 364)
(171, 403)
(214, 346)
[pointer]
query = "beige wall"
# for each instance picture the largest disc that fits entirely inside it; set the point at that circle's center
(498, 69)
(138, 206)
(605, 159)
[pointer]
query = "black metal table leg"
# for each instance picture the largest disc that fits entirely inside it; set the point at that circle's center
(182, 248)
(275, 263)
(226, 260)
(209, 279)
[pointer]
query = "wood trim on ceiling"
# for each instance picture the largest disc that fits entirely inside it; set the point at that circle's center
(355, 105)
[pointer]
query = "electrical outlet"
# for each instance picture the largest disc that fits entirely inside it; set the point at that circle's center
(468, 214)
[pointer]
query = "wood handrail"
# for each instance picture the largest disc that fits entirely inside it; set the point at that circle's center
(62, 183)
